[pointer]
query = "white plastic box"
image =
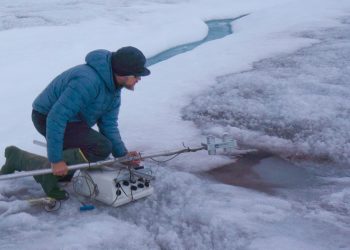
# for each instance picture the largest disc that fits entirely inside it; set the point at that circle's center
(112, 187)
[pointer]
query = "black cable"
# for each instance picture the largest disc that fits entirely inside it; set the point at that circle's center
(171, 158)
(87, 179)
(116, 198)
(95, 188)
(123, 191)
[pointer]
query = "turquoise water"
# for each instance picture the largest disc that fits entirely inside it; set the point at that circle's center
(217, 29)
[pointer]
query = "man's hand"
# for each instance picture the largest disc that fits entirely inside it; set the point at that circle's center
(134, 162)
(59, 168)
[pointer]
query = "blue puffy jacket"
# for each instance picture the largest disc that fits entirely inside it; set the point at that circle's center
(83, 93)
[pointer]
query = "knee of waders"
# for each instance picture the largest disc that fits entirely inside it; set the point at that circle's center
(103, 149)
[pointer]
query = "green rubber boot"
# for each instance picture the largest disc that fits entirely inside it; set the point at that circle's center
(20, 160)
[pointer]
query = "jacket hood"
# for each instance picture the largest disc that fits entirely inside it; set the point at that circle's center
(100, 60)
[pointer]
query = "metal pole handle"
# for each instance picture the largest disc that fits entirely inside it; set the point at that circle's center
(99, 163)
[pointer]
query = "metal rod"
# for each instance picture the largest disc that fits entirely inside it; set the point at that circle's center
(99, 163)
(39, 143)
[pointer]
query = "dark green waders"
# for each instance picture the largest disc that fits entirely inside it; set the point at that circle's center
(20, 160)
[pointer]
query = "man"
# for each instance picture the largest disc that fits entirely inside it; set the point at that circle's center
(70, 105)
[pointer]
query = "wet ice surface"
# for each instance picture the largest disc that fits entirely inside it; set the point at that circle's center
(315, 191)
(185, 212)
(277, 205)
(302, 98)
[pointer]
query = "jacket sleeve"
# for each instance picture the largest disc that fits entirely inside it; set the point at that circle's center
(108, 126)
(78, 93)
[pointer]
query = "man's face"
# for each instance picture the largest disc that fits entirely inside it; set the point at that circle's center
(128, 82)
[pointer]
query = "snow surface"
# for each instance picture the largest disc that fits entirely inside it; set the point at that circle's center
(305, 40)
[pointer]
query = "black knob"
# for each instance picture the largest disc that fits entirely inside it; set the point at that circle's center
(125, 183)
(147, 183)
(133, 188)
(140, 185)
(117, 185)
(118, 192)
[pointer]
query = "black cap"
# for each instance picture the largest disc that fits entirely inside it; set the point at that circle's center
(129, 61)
